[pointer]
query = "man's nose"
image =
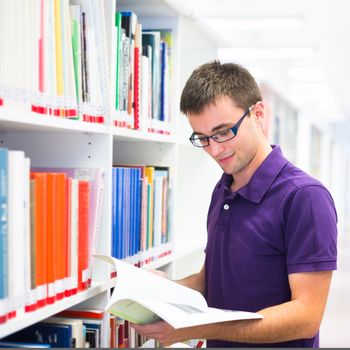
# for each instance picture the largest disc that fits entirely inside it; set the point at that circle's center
(214, 148)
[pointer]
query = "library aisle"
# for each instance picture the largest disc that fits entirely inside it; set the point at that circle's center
(335, 326)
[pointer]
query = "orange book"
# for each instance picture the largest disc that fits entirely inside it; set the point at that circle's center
(39, 226)
(83, 234)
(60, 234)
(50, 238)
(68, 274)
(96, 314)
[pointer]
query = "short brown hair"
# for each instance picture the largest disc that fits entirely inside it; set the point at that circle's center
(213, 80)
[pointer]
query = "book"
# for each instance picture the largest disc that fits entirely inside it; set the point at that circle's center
(92, 321)
(96, 177)
(40, 236)
(16, 344)
(143, 297)
(77, 329)
(19, 283)
(3, 232)
(58, 336)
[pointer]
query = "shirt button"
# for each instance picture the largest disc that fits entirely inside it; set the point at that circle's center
(226, 207)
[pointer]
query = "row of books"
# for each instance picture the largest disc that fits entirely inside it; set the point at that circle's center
(140, 213)
(59, 64)
(75, 328)
(48, 229)
(140, 75)
(54, 66)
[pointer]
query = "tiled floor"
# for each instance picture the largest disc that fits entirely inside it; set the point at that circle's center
(335, 328)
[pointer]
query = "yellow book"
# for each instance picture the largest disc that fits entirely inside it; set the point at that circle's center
(150, 175)
(59, 51)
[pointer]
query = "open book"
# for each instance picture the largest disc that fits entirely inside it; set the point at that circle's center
(143, 297)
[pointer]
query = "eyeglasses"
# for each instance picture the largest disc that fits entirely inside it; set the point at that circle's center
(221, 136)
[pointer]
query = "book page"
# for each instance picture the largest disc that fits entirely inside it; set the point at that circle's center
(136, 284)
(183, 315)
(143, 297)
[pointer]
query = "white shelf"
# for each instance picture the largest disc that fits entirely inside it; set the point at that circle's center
(26, 319)
(159, 263)
(11, 121)
(125, 134)
(150, 8)
(55, 141)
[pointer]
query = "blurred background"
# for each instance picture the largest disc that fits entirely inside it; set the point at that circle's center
(299, 51)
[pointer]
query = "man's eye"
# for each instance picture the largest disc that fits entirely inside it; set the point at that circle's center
(224, 132)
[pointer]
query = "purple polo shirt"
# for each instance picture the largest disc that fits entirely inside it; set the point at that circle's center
(283, 221)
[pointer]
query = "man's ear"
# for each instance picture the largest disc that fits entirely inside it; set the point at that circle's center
(259, 110)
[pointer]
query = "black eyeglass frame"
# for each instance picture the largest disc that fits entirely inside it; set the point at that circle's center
(234, 130)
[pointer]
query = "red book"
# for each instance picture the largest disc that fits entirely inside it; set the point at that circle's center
(40, 245)
(113, 331)
(84, 313)
(61, 234)
(83, 234)
(137, 88)
(51, 257)
(137, 74)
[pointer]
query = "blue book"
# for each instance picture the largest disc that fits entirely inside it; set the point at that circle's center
(16, 344)
(114, 210)
(163, 83)
(126, 209)
(57, 335)
(138, 210)
(132, 211)
(120, 213)
(3, 223)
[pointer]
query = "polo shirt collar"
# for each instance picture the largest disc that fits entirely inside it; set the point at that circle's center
(263, 177)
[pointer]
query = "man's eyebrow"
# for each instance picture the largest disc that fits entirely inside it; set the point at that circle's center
(223, 125)
(216, 128)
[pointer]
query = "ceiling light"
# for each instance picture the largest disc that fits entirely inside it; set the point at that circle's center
(266, 53)
(255, 23)
(310, 88)
(306, 73)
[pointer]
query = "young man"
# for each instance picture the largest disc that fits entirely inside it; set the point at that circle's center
(271, 227)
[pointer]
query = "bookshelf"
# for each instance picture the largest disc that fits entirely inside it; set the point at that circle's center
(50, 140)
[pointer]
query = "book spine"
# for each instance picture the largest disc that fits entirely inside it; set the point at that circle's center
(83, 241)
(3, 233)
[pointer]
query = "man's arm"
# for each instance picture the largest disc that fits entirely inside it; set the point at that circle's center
(195, 281)
(297, 319)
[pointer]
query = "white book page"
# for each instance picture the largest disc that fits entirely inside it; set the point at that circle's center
(137, 284)
(181, 315)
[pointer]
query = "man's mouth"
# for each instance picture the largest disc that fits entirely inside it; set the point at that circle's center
(225, 158)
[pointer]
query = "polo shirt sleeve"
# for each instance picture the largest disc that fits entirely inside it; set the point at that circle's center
(311, 231)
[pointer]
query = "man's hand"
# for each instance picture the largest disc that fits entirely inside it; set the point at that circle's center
(159, 273)
(160, 331)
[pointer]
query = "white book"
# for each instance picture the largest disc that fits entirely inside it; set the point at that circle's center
(157, 213)
(16, 229)
(26, 233)
(143, 297)
(68, 67)
(49, 51)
